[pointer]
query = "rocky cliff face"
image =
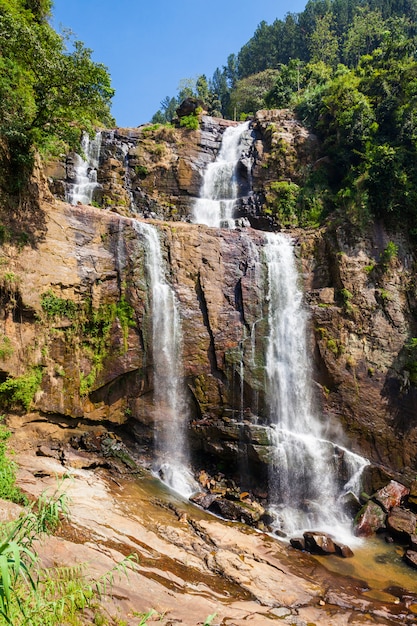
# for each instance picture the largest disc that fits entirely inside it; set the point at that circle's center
(76, 321)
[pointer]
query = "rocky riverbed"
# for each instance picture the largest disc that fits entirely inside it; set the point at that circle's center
(190, 564)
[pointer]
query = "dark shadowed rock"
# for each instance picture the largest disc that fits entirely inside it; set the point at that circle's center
(237, 511)
(203, 499)
(371, 519)
(391, 495)
(343, 550)
(410, 557)
(402, 523)
(298, 543)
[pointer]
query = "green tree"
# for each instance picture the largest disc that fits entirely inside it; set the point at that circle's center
(249, 94)
(46, 91)
(323, 43)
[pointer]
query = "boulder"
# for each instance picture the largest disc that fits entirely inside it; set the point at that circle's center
(205, 500)
(371, 518)
(319, 543)
(298, 543)
(391, 495)
(402, 523)
(237, 511)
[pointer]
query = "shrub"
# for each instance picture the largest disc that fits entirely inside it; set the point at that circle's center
(20, 391)
(8, 489)
(190, 121)
(54, 307)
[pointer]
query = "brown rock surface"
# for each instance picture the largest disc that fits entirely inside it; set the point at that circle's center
(189, 565)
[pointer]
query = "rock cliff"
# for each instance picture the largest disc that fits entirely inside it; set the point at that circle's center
(76, 322)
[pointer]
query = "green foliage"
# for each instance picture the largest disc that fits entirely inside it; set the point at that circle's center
(6, 348)
(48, 93)
(390, 253)
(190, 122)
(55, 307)
(282, 202)
(94, 327)
(20, 391)
(250, 92)
(8, 489)
(32, 594)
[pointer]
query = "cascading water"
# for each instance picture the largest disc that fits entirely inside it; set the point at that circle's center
(303, 488)
(85, 171)
(170, 406)
(219, 190)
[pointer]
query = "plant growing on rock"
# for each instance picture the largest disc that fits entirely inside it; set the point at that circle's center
(20, 391)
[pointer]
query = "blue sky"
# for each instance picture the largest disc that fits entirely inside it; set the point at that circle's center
(149, 46)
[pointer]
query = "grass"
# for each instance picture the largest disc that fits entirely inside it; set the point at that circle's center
(30, 594)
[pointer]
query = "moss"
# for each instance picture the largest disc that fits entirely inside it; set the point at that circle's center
(6, 348)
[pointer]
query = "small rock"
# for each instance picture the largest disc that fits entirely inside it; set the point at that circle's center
(236, 511)
(410, 557)
(343, 550)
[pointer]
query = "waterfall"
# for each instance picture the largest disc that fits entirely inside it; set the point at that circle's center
(304, 490)
(171, 414)
(85, 171)
(220, 189)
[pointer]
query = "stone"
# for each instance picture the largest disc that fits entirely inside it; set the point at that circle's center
(205, 500)
(391, 495)
(319, 543)
(370, 520)
(410, 557)
(236, 511)
(298, 543)
(402, 523)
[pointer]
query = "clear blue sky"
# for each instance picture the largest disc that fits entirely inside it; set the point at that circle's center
(150, 45)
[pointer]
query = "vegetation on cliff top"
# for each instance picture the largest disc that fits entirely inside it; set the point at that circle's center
(48, 94)
(348, 68)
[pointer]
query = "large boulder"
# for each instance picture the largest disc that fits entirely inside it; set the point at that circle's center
(402, 523)
(371, 518)
(391, 495)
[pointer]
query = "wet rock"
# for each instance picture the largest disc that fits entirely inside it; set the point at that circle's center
(402, 523)
(351, 504)
(343, 550)
(237, 511)
(298, 543)
(205, 500)
(371, 518)
(410, 557)
(319, 543)
(412, 498)
(391, 495)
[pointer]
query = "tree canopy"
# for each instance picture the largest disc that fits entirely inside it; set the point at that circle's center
(50, 88)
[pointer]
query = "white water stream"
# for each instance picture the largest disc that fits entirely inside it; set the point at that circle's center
(303, 488)
(219, 190)
(85, 171)
(170, 405)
